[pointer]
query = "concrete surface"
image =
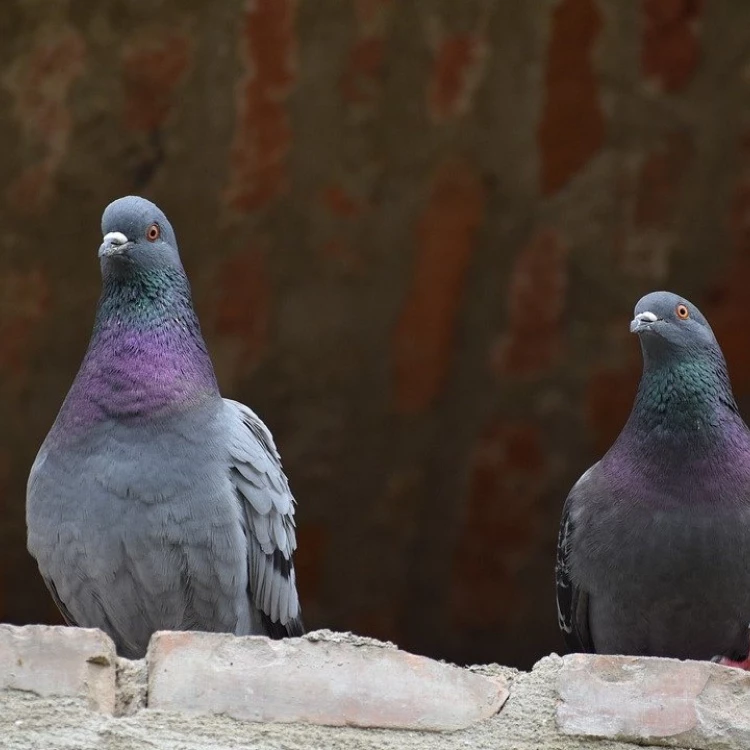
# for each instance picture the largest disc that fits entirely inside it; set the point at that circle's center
(572, 703)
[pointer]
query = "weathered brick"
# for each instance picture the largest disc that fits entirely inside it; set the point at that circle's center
(533, 342)
(24, 303)
(671, 45)
(243, 312)
(458, 66)
(59, 662)
(507, 473)
(262, 131)
(40, 82)
(318, 680)
(572, 126)
(609, 398)
(154, 66)
(423, 341)
(361, 82)
(650, 701)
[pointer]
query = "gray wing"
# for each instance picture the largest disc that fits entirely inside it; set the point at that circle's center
(572, 600)
(268, 504)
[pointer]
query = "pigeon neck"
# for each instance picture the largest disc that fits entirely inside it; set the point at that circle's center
(689, 399)
(146, 356)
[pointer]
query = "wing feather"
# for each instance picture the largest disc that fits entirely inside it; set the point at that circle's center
(572, 600)
(268, 506)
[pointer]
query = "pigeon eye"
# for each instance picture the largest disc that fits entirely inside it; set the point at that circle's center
(682, 312)
(153, 233)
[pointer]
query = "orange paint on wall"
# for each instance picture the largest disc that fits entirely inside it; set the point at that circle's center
(572, 128)
(423, 344)
(262, 132)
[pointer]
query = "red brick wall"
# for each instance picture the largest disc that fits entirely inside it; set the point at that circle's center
(415, 233)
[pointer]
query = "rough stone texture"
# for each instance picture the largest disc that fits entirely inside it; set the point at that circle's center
(571, 703)
(655, 701)
(58, 662)
(369, 195)
(132, 686)
(316, 681)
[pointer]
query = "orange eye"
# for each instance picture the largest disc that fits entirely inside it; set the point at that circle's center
(682, 312)
(153, 233)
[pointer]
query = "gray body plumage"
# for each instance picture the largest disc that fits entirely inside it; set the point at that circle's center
(180, 519)
(649, 578)
(654, 546)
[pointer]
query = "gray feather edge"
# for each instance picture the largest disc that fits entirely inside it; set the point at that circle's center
(268, 518)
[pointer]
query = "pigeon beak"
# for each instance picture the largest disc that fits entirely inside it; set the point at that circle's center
(642, 322)
(114, 243)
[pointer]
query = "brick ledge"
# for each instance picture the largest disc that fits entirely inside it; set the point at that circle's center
(64, 687)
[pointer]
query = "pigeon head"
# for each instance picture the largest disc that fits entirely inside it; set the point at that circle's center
(143, 281)
(137, 236)
(685, 384)
(670, 326)
(146, 353)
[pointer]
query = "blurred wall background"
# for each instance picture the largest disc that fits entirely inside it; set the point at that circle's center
(415, 231)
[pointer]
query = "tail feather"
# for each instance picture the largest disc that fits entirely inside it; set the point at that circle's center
(293, 629)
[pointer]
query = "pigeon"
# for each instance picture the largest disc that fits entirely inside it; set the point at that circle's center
(154, 503)
(653, 554)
